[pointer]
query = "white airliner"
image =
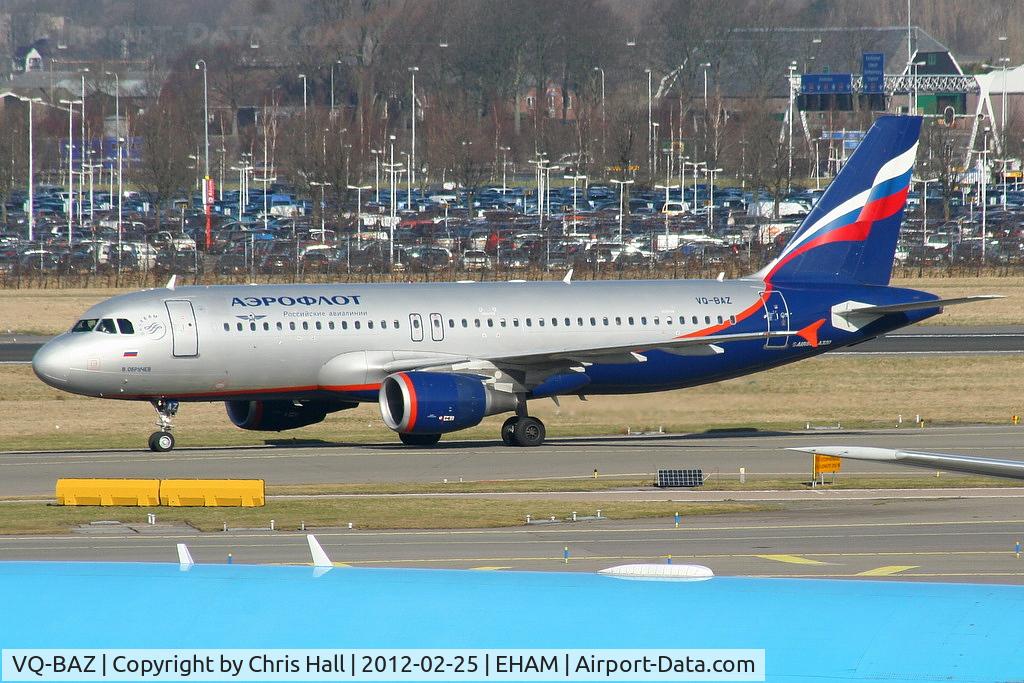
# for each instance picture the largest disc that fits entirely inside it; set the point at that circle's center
(441, 357)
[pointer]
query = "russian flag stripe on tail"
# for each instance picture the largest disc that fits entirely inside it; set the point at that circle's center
(851, 233)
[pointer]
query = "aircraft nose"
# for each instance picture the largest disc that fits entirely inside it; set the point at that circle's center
(52, 363)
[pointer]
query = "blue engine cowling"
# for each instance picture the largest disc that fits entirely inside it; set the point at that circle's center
(438, 402)
(279, 415)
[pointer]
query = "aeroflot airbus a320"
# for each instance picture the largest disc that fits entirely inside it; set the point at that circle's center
(440, 357)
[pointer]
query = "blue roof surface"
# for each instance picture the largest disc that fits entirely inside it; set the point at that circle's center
(823, 629)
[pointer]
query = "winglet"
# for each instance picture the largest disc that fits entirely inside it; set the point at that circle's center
(185, 560)
(320, 558)
(810, 333)
(568, 277)
(170, 283)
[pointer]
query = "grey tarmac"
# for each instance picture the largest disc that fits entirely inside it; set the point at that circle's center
(963, 540)
(762, 454)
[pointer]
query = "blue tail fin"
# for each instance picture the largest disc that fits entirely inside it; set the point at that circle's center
(851, 233)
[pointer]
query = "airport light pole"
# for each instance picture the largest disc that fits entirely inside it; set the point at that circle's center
(332, 85)
(376, 172)
(664, 210)
(604, 115)
(71, 171)
(650, 117)
(504, 167)
(117, 142)
(206, 157)
(622, 193)
(575, 217)
(359, 212)
(304, 101)
(323, 208)
(789, 175)
(81, 159)
(711, 197)
(412, 158)
(31, 169)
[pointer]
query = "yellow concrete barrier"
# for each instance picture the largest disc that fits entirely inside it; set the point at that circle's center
(134, 492)
(212, 493)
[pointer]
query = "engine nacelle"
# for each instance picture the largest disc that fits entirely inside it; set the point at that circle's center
(277, 416)
(438, 402)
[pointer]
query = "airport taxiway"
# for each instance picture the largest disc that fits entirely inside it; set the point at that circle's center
(969, 539)
(762, 454)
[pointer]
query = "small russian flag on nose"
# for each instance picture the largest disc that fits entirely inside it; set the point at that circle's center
(131, 354)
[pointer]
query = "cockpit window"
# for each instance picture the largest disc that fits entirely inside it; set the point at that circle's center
(85, 325)
(125, 326)
(106, 325)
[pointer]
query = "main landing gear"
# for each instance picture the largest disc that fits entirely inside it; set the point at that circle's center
(523, 430)
(163, 441)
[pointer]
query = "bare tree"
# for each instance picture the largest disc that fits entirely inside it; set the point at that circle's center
(167, 136)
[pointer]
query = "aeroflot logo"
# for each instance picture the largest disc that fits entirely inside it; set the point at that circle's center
(321, 300)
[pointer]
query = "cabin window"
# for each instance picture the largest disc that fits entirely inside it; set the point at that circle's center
(384, 324)
(631, 320)
(356, 324)
(330, 324)
(707, 320)
(395, 324)
(720, 320)
(540, 321)
(252, 327)
(490, 322)
(682, 320)
(125, 326)
(266, 327)
(554, 322)
(694, 320)
(476, 322)
(319, 326)
(593, 322)
(605, 321)
(568, 322)
(305, 325)
(579, 321)
(732, 320)
(529, 322)
(279, 326)
(451, 322)
(515, 322)
(415, 323)
(465, 323)
(618, 321)
(643, 320)
(238, 326)
(227, 328)
(344, 324)
(503, 322)
(291, 325)
(657, 320)
(106, 325)
(369, 324)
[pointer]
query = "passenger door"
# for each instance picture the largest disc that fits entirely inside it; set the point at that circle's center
(185, 337)
(776, 319)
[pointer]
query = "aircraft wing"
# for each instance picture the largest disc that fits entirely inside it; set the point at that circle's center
(633, 352)
(994, 467)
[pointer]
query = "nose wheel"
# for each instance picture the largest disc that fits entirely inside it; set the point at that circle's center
(163, 441)
(523, 431)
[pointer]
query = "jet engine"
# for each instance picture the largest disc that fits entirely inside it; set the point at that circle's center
(276, 416)
(438, 402)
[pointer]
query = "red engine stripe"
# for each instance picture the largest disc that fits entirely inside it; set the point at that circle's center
(412, 400)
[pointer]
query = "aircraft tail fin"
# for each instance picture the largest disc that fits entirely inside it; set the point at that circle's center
(850, 235)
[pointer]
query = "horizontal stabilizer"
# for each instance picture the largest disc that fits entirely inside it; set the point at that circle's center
(921, 305)
(993, 467)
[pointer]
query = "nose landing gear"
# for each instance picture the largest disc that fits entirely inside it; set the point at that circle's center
(163, 441)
